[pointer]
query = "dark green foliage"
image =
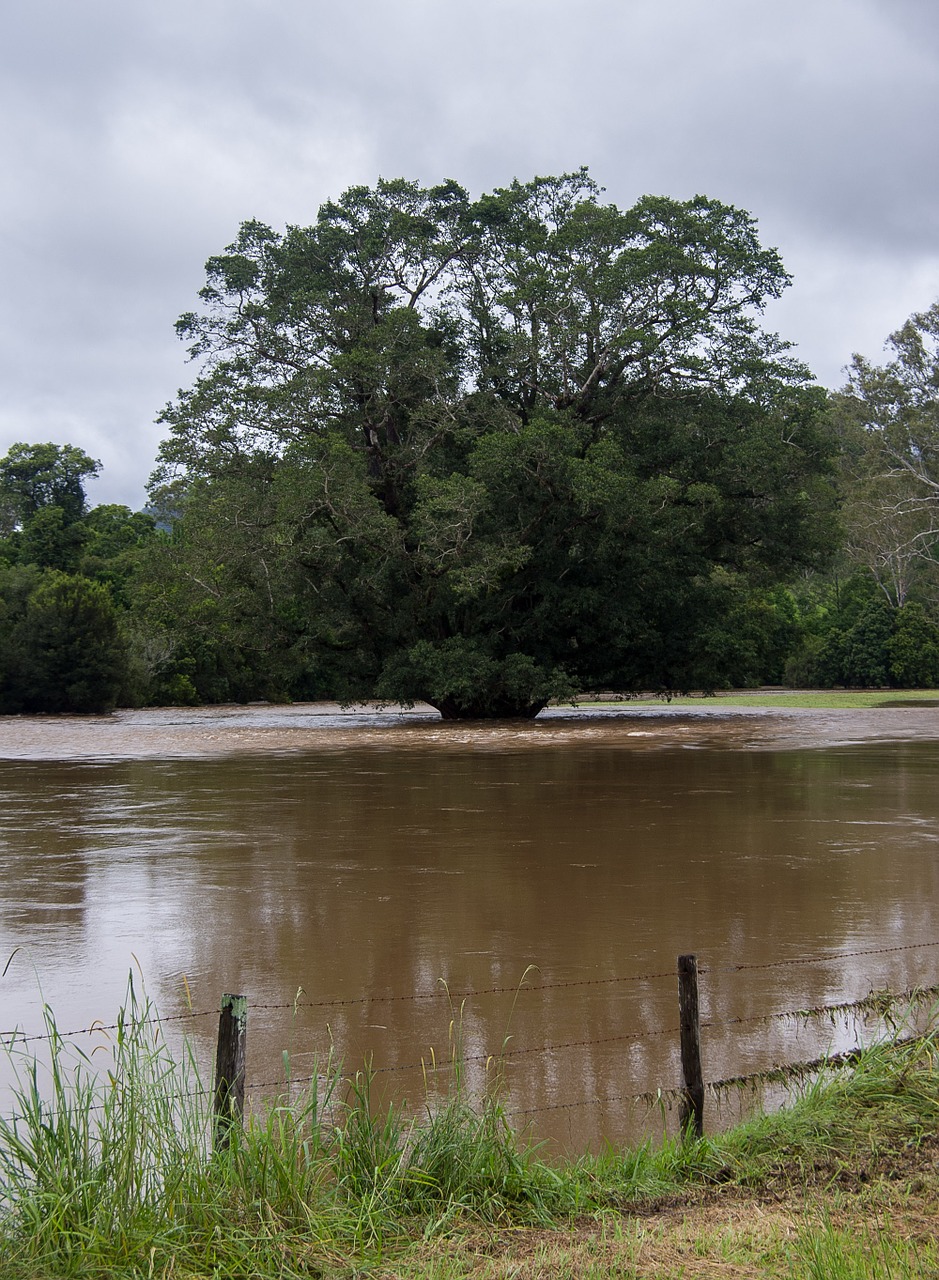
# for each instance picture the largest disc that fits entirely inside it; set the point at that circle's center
(464, 681)
(861, 641)
(36, 476)
(17, 584)
(67, 575)
(50, 539)
(747, 639)
(486, 454)
(42, 505)
(913, 649)
(113, 542)
(864, 658)
(61, 645)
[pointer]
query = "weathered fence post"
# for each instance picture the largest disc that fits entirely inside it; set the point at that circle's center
(230, 1068)
(691, 1111)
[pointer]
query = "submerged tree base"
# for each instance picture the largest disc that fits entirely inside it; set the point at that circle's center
(484, 709)
(466, 681)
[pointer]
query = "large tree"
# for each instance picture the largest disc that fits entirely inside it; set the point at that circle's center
(888, 416)
(486, 453)
(34, 477)
(60, 643)
(42, 504)
(66, 577)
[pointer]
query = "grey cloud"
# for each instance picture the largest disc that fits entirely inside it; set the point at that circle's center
(136, 138)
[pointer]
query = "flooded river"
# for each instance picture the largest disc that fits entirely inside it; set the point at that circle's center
(367, 878)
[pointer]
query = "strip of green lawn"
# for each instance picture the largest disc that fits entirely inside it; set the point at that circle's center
(821, 699)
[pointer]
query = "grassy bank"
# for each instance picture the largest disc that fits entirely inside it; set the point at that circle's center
(820, 699)
(113, 1175)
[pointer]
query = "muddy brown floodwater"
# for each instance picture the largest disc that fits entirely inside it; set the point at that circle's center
(366, 878)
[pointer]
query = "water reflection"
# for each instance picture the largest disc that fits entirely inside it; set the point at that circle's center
(424, 860)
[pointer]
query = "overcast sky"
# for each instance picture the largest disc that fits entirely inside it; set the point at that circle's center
(135, 137)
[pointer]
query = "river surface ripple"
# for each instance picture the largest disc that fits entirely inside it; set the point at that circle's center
(370, 878)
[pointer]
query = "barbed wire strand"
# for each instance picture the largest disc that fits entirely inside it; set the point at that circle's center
(874, 1004)
(838, 955)
(16, 1037)
(466, 995)
(778, 1073)
(460, 996)
(433, 1067)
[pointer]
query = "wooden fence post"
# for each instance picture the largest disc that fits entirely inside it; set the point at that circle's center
(691, 1112)
(230, 1068)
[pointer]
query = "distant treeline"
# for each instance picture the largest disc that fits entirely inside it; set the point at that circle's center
(489, 453)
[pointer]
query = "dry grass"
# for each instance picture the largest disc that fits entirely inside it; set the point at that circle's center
(885, 1226)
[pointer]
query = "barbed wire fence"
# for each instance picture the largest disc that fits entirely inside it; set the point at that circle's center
(231, 1086)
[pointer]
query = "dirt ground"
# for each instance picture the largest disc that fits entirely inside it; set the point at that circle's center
(885, 1205)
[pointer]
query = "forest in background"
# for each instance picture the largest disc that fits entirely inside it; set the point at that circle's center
(488, 454)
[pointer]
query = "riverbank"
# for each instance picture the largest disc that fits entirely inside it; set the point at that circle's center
(114, 1179)
(759, 717)
(768, 698)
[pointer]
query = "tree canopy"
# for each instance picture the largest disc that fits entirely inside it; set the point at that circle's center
(36, 477)
(64, 574)
(888, 417)
(489, 452)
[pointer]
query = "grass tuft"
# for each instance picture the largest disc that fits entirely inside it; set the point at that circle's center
(106, 1169)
